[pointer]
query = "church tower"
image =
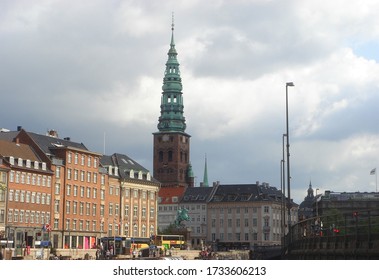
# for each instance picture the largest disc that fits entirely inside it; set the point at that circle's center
(171, 162)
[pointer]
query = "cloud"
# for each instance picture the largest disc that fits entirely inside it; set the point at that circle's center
(93, 71)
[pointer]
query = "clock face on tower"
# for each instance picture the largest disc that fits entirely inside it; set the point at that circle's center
(165, 138)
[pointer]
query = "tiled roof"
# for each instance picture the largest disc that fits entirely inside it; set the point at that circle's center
(49, 143)
(244, 192)
(196, 195)
(16, 150)
(166, 194)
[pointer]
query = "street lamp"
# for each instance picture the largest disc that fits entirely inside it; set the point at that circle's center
(283, 187)
(288, 84)
(317, 203)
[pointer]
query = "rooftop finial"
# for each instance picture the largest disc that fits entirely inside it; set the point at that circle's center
(172, 24)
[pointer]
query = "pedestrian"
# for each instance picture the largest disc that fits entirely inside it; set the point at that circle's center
(1, 255)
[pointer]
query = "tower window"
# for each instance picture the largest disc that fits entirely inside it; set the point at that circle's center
(175, 99)
(160, 156)
(169, 155)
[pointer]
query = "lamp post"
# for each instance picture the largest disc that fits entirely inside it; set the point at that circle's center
(283, 189)
(288, 84)
(317, 203)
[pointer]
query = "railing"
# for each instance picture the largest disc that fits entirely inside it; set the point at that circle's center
(352, 235)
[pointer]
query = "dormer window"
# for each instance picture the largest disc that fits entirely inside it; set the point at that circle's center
(110, 170)
(19, 162)
(148, 176)
(43, 165)
(36, 165)
(131, 173)
(28, 164)
(11, 160)
(140, 175)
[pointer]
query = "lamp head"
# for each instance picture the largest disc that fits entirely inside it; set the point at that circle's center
(290, 84)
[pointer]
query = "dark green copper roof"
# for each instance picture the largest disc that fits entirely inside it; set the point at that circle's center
(171, 118)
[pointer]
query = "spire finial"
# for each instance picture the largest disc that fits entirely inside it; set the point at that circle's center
(172, 24)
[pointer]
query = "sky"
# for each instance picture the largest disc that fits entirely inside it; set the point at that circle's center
(93, 71)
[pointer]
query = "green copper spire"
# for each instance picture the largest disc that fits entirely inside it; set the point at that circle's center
(172, 118)
(205, 179)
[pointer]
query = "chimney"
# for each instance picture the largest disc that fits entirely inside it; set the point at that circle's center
(19, 128)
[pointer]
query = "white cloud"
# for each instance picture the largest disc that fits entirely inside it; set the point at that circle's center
(98, 66)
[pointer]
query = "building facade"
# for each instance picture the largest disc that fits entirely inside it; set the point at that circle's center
(241, 216)
(27, 195)
(57, 193)
(195, 201)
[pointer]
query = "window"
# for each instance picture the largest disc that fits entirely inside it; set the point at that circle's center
(58, 172)
(135, 211)
(75, 190)
(266, 209)
(94, 193)
(56, 206)
(57, 188)
(69, 173)
(88, 208)
(170, 155)
(81, 208)
(68, 190)
(68, 207)
(110, 208)
(83, 160)
(126, 210)
(152, 212)
(76, 158)
(229, 223)
(88, 192)
(74, 207)
(81, 191)
(69, 157)
(93, 209)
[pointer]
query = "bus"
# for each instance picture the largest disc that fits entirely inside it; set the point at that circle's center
(169, 241)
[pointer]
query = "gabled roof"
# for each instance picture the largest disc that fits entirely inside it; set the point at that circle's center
(166, 194)
(16, 150)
